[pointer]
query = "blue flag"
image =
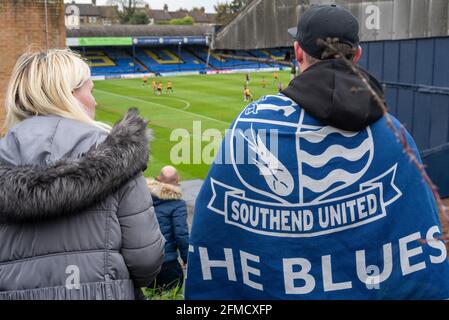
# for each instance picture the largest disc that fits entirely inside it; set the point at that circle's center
(294, 209)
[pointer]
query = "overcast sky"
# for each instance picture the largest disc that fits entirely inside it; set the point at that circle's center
(173, 5)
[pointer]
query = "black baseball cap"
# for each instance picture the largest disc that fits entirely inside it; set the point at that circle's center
(321, 22)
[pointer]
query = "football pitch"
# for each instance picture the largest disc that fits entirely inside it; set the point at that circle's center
(211, 101)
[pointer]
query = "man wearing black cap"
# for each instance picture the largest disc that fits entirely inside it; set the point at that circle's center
(331, 75)
(311, 196)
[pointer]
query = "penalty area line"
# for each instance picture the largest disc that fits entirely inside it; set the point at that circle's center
(163, 106)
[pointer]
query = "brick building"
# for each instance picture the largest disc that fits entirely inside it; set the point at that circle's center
(27, 24)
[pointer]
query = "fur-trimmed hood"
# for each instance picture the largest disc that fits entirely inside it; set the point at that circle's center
(164, 191)
(92, 165)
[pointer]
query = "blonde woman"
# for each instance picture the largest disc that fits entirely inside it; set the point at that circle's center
(76, 216)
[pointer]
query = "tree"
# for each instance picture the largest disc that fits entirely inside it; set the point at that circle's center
(128, 11)
(201, 9)
(139, 17)
(223, 13)
(236, 5)
(165, 7)
(187, 20)
(227, 11)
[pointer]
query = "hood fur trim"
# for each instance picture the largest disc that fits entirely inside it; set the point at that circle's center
(69, 186)
(164, 191)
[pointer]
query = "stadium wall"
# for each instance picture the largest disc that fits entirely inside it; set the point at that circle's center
(417, 93)
(27, 24)
(417, 84)
(261, 24)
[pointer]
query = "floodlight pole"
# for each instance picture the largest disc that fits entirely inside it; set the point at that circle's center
(209, 43)
(179, 56)
(134, 58)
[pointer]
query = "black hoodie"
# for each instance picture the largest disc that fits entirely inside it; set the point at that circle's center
(331, 92)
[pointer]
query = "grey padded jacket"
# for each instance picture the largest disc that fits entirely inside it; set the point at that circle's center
(76, 215)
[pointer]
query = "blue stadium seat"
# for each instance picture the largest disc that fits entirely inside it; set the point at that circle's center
(119, 60)
(111, 60)
(221, 63)
(168, 60)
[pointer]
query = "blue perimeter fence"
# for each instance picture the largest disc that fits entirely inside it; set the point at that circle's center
(415, 73)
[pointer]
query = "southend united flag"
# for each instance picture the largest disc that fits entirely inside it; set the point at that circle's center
(293, 209)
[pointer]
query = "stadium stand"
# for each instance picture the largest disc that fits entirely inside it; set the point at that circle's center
(109, 60)
(122, 50)
(274, 54)
(119, 60)
(165, 59)
(98, 59)
(217, 62)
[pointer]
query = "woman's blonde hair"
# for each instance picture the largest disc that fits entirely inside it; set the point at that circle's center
(42, 83)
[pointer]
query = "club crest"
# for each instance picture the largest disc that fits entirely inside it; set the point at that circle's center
(321, 169)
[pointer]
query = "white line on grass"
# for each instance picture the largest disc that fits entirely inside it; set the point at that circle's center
(162, 105)
(187, 103)
(178, 99)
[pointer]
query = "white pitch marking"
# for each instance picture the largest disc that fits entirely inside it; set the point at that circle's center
(162, 105)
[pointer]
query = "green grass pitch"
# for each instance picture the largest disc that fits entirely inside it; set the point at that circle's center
(215, 100)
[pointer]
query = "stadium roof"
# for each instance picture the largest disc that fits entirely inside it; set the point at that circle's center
(139, 31)
(264, 24)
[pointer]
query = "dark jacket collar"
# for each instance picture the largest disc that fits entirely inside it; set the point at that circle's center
(330, 92)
